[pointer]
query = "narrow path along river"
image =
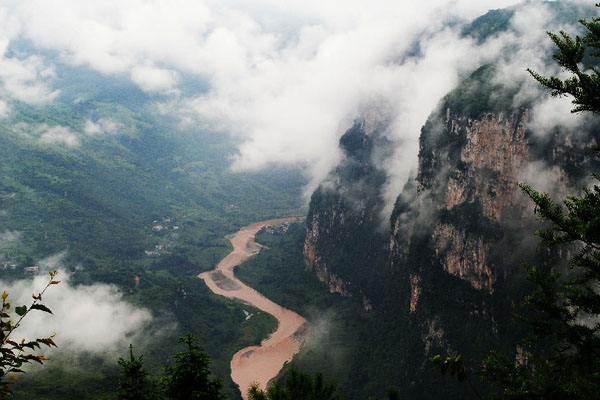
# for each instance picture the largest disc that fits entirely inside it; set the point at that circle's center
(255, 364)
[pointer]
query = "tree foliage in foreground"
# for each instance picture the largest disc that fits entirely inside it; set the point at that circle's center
(296, 386)
(14, 353)
(579, 57)
(135, 383)
(189, 378)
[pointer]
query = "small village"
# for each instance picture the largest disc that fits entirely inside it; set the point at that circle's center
(161, 227)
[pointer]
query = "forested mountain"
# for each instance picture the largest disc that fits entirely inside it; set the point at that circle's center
(123, 196)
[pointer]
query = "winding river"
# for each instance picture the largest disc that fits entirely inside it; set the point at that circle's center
(255, 364)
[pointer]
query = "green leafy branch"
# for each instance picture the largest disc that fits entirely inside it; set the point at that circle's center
(14, 354)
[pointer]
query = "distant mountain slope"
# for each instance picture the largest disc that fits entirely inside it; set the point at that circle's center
(130, 198)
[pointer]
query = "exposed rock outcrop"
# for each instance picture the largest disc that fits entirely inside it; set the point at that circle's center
(345, 237)
(482, 171)
(463, 256)
(451, 267)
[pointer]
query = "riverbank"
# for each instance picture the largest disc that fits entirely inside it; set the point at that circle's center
(256, 364)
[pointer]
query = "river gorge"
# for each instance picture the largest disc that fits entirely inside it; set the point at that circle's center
(256, 364)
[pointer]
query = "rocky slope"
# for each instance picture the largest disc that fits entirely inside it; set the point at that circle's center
(447, 274)
(345, 239)
(452, 264)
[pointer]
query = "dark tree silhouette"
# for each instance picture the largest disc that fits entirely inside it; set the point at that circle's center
(296, 386)
(189, 378)
(135, 383)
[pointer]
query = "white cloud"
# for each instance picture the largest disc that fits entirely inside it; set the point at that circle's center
(286, 79)
(544, 178)
(4, 109)
(87, 318)
(8, 238)
(103, 126)
(24, 79)
(554, 112)
(45, 134)
(59, 135)
(152, 79)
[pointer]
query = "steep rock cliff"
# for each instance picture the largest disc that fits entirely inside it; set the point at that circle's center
(451, 266)
(345, 237)
(462, 231)
(452, 270)
(472, 169)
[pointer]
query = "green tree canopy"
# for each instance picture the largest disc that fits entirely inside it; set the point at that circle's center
(135, 383)
(296, 386)
(189, 378)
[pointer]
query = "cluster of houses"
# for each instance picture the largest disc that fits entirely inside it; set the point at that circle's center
(8, 264)
(157, 251)
(278, 229)
(161, 226)
(165, 225)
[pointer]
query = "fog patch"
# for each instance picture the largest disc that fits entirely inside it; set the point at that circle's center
(9, 238)
(5, 109)
(101, 127)
(44, 134)
(325, 339)
(152, 79)
(59, 136)
(552, 113)
(544, 178)
(22, 77)
(93, 319)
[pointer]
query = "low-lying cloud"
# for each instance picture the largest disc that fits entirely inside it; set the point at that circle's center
(59, 135)
(24, 78)
(152, 79)
(87, 318)
(9, 238)
(554, 112)
(55, 135)
(101, 127)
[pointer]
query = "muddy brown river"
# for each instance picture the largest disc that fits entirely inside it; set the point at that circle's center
(255, 364)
